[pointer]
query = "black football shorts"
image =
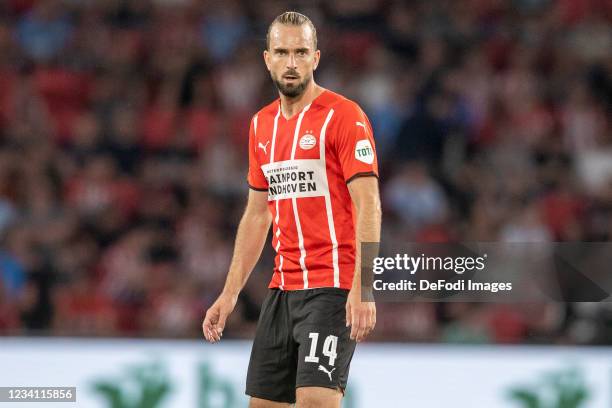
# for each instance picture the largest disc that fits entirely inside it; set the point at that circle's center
(301, 340)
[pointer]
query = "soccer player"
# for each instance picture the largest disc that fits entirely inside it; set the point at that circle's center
(313, 175)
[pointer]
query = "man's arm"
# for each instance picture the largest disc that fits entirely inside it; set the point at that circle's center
(361, 316)
(250, 239)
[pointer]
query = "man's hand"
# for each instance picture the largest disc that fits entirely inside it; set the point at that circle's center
(252, 232)
(214, 321)
(361, 316)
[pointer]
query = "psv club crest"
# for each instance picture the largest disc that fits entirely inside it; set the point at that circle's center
(307, 141)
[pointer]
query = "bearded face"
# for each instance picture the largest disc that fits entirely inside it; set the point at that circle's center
(290, 83)
(291, 58)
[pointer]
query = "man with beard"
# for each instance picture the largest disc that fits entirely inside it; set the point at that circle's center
(313, 175)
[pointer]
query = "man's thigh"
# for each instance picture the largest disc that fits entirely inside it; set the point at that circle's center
(318, 397)
(273, 364)
(325, 349)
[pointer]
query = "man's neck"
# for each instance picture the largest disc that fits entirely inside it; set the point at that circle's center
(291, 106)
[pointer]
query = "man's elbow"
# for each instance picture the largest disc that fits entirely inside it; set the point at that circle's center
(257, 215)
(261, 217)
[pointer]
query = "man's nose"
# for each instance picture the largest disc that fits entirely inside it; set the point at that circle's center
(291, 61)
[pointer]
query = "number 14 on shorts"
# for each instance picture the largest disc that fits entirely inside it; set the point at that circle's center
(329, 348)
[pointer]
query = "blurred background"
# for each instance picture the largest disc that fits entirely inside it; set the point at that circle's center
(123, 152)
(123, 157)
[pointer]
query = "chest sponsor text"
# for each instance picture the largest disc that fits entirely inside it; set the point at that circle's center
(295, 179)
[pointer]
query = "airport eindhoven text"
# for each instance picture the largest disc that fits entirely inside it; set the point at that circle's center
(403, 263)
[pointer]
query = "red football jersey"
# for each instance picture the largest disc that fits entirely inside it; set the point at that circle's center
(305, 163)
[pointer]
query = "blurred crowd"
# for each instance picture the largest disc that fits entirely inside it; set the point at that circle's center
(123, 145)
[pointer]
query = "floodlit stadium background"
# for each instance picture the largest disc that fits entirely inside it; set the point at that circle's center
(123, 137)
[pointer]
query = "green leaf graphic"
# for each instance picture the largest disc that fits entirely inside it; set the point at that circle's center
(150, 380)
(560, 389)
(528, 398)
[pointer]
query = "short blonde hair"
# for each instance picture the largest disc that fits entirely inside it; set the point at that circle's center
(292, 18)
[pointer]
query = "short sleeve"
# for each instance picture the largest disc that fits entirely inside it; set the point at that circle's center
(354, 143)
(255, 177)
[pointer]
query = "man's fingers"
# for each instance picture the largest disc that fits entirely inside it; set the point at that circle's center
(214, 321)
(354, 323)
(207, 333)
(221, 324)
(217, 331)
(373, 314)
(348, 315)
(367, 327)
(371, 322)
(211, 335)
(362, 325)
(361, 317)
(208, 325)
(358, 325)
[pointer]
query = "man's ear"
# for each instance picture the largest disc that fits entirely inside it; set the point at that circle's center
(266, 57)
(317, 57)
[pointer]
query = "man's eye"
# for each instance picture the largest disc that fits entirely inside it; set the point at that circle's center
(301, 53)
(281, 52)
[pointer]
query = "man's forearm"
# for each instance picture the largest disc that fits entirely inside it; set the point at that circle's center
(367, 228)
(250, 239)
